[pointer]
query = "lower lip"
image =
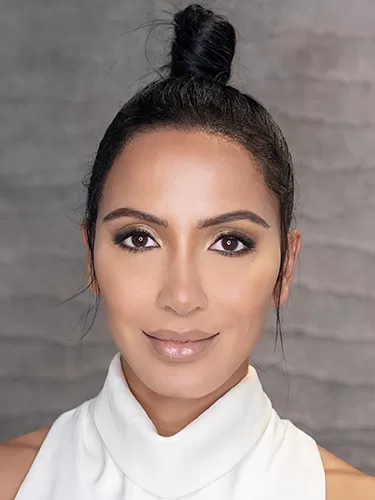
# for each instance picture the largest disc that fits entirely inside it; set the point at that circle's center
(178, 351)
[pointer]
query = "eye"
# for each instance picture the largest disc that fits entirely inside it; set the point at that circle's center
(134, 240)
(234, 244)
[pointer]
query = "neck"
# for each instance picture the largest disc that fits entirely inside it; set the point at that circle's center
(171, 415)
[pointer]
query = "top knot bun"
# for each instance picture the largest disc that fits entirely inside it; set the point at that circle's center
(203, 45)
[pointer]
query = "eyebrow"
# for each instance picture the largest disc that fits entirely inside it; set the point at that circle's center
(202, 223)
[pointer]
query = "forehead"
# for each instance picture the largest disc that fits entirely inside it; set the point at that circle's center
(186, 173)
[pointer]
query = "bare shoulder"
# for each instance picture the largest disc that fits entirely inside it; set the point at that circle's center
(345, 482)
(16, 458)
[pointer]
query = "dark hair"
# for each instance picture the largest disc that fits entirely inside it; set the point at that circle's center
(195, 95)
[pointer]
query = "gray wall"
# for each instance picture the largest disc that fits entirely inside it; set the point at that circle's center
(66, 67)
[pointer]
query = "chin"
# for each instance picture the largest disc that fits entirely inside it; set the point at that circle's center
(188, 381)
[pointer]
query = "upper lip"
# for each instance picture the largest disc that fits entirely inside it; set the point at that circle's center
(181, 336)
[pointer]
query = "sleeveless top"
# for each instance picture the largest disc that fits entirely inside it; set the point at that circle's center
(107, 448)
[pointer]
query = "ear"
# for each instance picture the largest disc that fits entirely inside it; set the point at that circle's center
(92, 284)
(294, 242)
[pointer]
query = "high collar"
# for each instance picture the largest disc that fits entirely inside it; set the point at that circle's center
(205, 450)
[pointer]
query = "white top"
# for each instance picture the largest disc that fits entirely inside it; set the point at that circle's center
(238, 449)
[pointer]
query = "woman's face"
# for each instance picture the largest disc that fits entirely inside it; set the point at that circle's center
(177, 276)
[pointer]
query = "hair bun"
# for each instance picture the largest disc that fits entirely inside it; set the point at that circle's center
(203, 45)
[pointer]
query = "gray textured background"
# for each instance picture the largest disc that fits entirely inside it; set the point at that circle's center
(66, 67)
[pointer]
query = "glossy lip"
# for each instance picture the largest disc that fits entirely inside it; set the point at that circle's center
(179, 351)
(182, 336)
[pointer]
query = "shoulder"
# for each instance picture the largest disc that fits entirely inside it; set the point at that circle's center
(16, 458)
(343, 481)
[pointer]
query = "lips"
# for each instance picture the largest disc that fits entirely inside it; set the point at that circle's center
(180, 336)
(181, 350)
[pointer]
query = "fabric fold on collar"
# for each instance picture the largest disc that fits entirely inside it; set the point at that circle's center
(199, 454)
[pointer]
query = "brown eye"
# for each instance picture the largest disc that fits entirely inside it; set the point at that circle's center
(138, 239)
(234, 245)
(134, 241)
(230, 244)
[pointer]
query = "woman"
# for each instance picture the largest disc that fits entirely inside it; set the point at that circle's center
(188, 243)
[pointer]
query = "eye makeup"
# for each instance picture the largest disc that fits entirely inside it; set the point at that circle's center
(248, 243)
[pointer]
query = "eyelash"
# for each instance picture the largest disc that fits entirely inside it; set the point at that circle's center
(249, 243)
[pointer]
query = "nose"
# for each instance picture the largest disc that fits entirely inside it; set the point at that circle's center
(182, 291)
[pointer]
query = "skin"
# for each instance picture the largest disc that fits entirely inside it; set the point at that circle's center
(181, 281)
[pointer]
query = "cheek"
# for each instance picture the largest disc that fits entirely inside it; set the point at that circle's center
(244, 294)
(127, 282)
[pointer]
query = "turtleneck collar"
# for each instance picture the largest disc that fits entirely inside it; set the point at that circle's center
(205, 450)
